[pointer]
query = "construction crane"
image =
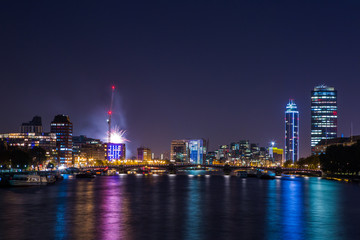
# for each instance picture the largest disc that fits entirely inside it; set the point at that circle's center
(110, 113)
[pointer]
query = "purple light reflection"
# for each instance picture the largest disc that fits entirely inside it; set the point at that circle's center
(114, 213)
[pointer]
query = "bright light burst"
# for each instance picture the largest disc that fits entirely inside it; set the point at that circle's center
(117, 135)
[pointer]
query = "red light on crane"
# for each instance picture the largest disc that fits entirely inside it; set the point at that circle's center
(113, 87)
(109, 112)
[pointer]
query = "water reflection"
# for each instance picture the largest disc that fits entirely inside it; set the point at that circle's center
(193, 209)
(182, 207)
(61, 211)
(113, 212)
(292, 208)
(324, 216)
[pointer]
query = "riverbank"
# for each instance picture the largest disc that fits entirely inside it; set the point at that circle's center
(342, 178)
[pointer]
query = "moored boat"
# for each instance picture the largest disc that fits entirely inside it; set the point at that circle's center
(23, 180)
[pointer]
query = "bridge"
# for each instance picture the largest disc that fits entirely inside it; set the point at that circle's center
(226, 168)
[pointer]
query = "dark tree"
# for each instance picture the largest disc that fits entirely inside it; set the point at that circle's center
(341, 159)
(19, 158)
(38, 156)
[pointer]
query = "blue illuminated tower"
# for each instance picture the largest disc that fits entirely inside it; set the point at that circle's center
(323, 114)
(291, 132)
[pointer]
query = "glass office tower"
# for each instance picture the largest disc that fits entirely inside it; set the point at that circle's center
(291, 132)
(323, 114)
(63, 128)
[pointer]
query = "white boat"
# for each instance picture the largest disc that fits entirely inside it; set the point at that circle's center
(23, 180)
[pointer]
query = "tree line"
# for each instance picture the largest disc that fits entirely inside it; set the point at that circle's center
(311, 162)
(337, 159)
(16, 157)
(341, 159)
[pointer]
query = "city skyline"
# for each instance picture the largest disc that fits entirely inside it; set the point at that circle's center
(222, 71)
(266, 144)
(182, 119)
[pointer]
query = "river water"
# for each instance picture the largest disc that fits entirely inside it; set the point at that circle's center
(182, 207)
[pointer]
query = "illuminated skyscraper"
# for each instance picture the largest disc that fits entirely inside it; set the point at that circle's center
(323, 114)
(63, 128)
(291, 132)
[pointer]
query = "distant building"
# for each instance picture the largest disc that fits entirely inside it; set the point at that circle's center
(63, 129)
(188, 151)
(234, 150)
(179, 151)
(243, 153)
(323, 114)
(34, 126)
(87, 150)
(27, 141)
(223, 153)
(291, 132)
(325, 143)
(211, 157)
(276, 154)
(144, 154)
(115, 151)
(197, 151)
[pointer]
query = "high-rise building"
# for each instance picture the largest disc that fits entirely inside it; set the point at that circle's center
(188, 151)
(34, 126)
(197, 151)
(179, 151)
(144, 154)
(323, 114)
(291, 132)
(63, 128)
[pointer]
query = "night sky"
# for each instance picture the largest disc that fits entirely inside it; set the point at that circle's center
(222, 70)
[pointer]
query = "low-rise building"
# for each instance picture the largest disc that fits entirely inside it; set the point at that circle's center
(27, 141)
(325, 143)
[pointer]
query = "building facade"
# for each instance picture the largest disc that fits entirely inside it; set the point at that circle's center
(276, 154)
(179, 151)
(115, 151)
(87, 150)
(144, 154)
(197, 151)
(26, 141)
(63, 129)
(323, 114)
(188, 151)
(34, 126)
(321, 147)
(291, 132)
